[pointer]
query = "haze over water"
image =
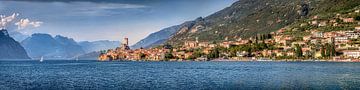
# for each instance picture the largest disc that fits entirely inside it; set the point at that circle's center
(178, 75)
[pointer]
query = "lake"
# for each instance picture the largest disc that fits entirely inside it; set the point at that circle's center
(178, 75)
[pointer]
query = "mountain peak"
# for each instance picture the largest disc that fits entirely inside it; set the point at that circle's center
(9, 48)
(4, 32)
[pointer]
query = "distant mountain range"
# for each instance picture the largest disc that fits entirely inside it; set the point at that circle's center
(98, 45)
(9, 48)
(60, 47)
(89, 56)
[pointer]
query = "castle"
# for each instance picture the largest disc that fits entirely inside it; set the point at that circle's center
(125, 44)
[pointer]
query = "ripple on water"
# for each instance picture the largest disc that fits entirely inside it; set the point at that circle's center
(178, 75)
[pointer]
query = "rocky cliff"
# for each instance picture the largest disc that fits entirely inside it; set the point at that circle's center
(9, 48)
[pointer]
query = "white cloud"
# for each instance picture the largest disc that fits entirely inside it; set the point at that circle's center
(7, 19)
(98, 9)
(24, 23)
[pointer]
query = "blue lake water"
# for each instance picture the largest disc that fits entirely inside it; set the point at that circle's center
(178, 75)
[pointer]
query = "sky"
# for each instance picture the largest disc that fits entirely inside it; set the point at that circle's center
(91, 20)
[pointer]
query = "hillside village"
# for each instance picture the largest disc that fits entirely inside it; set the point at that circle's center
(334, 37)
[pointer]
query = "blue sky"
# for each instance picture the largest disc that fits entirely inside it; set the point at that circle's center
(109, 19)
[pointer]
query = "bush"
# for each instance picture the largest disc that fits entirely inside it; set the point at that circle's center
(357, 18)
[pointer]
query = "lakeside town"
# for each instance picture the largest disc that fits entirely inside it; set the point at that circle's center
(338, 45)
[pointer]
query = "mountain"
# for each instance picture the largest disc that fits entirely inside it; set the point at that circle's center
(44, 45)
(98, 45)
(69, 46)
(9, 48)
(18, 36)
(38, 45)
(159, 42)
(247, 18)
(159, 37)
(89, 56)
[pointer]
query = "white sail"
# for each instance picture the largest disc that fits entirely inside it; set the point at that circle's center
(41, 59)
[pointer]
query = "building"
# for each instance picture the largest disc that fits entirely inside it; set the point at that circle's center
(323, 23)
(341, 39)
(307, 38)
(352, 53)
(348, 20)
(352, 34)
(226, 44)
(357, 28)
(190, 44)
(204, 44)
(318, 34)
(242, 42)
(125, 44)
(332, 34)
(300, 43)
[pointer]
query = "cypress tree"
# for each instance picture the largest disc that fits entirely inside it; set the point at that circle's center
(298, 51)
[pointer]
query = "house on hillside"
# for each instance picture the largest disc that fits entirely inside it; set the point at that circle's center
(348, 20)
(351, 53)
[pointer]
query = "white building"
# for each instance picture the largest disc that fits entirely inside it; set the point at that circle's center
(341, 39)
(352, 34)
(352, 53)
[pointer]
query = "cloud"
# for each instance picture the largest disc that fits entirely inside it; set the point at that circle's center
(7, 19)
(24, 23)
(99, 9)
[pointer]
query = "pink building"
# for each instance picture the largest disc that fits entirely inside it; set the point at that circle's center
(348, 20)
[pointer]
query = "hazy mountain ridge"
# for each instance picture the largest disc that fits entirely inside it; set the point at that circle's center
(70, 47)
(98, 45)
(38, 45)
(89, 56)
(61, 47)
(156, 37)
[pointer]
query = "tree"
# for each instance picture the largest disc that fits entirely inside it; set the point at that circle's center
(328, 50)
(357, 18)
(298, 51)
(142, 56)
(322, 50)
(214, 54)
(197, 54)
(332, 50)
(168, 56)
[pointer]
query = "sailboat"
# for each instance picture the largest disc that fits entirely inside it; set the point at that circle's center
(41, 59)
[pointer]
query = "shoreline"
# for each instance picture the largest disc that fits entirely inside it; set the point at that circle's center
(229, 60)
(212, 60)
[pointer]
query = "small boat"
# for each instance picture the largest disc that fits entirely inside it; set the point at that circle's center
(41, 59)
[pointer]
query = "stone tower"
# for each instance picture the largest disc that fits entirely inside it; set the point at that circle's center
(125, 44)
(126, 41)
